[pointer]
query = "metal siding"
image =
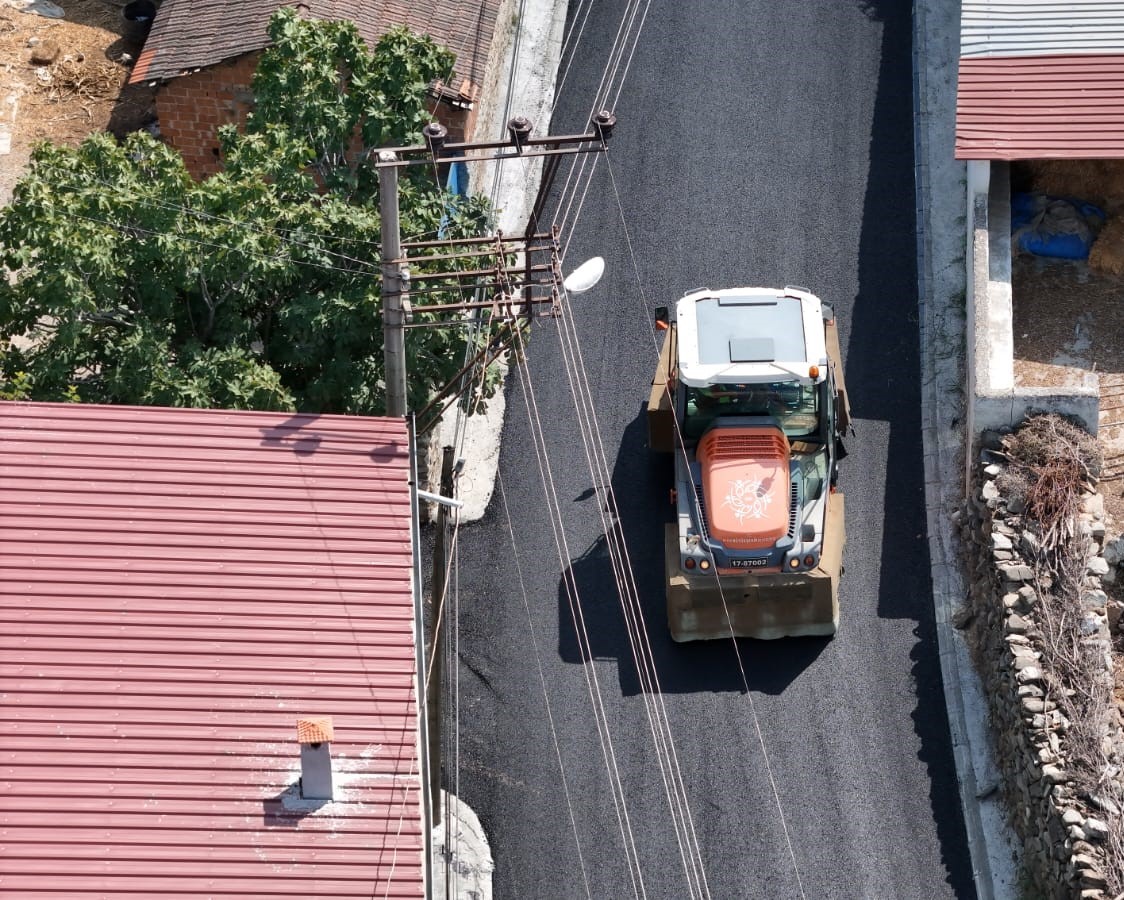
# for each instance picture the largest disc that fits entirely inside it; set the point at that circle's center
(1059, 107)
(1033, 27)
(177, 587)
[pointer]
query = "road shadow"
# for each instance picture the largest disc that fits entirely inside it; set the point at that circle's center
(594, 624)
(884, 351)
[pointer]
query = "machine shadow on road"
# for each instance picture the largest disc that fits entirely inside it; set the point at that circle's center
(640, 484)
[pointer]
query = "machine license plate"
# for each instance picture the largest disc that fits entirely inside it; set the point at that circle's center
(750, 563)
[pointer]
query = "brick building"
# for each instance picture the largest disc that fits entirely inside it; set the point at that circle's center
(202, 54)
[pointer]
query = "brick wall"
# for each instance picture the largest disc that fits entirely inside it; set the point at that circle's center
(191, 108)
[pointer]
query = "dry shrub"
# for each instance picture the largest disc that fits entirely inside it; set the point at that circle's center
(84, 80)
(1099, 181)
(1052, 463)
(1107, 253)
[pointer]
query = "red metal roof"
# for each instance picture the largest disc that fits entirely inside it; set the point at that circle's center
(1040, 107)
(177, 589)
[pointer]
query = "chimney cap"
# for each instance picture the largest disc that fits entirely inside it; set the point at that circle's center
(314, 729)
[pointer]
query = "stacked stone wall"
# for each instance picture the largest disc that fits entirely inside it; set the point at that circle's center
(1062, 830)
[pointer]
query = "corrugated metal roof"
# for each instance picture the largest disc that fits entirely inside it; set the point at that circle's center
(193, 34)
(177, 588)
(1045, 107)
(1021, 27)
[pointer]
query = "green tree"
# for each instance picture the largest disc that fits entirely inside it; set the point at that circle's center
(257, 288)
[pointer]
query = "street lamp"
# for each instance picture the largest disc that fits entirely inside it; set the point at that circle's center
(584, 276)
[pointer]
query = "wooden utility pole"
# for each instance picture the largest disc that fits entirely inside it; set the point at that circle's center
(438, 635)
(395, 283)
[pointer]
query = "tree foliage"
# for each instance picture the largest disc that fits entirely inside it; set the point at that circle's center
(257, 288)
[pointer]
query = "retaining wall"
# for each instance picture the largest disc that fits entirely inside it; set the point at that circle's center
(1062, 831)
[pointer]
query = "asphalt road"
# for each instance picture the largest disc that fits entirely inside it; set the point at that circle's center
(758, 144)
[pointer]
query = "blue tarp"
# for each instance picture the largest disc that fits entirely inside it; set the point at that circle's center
(456, 184)
(1061, 227)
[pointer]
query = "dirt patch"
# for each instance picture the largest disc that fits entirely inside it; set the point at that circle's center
(81, 90)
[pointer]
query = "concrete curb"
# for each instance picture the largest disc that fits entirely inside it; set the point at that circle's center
(941, 197)
(462, 858)
(524, 69)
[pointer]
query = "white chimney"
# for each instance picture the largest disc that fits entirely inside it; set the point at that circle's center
(315, 736)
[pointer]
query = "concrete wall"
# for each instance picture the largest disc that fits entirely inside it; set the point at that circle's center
(993, 399)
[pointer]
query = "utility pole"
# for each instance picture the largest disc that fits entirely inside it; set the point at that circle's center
(396, 277)
(395, 286)
(439, 639)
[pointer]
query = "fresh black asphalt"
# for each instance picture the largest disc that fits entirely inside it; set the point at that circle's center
(758, 144)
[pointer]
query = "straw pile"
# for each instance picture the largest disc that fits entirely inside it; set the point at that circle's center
(1099, 181)
(1107, 252)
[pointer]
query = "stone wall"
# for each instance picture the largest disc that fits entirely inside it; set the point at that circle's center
(1062, 831)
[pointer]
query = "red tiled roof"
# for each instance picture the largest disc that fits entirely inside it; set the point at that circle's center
(177, 589)
(192, 34)
(1040, 107)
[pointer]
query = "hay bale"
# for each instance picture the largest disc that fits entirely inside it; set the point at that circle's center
(1107, 252)
(1100, 181)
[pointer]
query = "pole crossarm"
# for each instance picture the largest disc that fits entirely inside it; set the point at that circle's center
(518, 144)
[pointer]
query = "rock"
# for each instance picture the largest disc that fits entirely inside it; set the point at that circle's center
(1002, 556)
(1009, 600)
(1093, 504)
(1072, 817)
(1094, 600)
(1033, 705)
(1114, 610)
(1098, 530)
(1016, 640)
(1016, 624)
(1076, 833)
(1093, 878)
(1029, 543)
(990, 439)
(1029, 595)
(1097, 566)
(992, 470)
(1028, 675)
(1096, 829)
(990, 493)
(1105, 803)
(1000, 541)
(1114, 551)
(44, 53)
(1016, 506)
(1016, 572)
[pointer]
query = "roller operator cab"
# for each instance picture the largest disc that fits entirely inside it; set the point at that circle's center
(750, 400)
